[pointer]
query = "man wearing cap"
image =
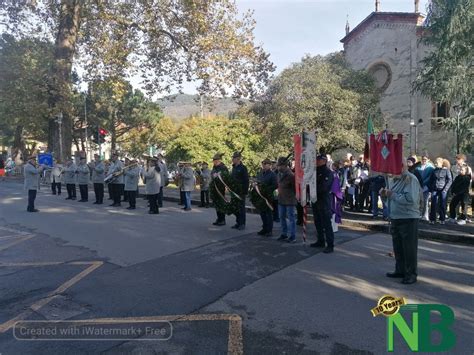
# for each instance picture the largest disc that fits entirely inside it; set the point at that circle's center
(83, 175)
(32, 176)
(218, 167)
(322, 208)
(268, 178)
(131, 175)
(98, 175)
(152, 186)
(115, 185)
(205, 175)
(70, 179)
(241, 176)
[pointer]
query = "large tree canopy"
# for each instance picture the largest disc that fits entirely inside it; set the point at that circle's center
(319, 93)
(167, 41)
(447, 72)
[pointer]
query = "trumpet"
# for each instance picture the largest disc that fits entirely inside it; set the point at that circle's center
(111, 177)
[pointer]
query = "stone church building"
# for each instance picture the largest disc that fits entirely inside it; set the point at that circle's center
(387, 44)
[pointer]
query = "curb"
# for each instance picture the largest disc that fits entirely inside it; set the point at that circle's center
(384, 228)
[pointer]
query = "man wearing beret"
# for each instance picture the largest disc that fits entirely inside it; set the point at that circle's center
(322, 208)
(241, 176)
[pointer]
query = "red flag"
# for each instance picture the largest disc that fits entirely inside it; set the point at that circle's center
(386, 153)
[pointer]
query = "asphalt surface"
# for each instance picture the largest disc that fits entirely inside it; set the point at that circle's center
(223, 290)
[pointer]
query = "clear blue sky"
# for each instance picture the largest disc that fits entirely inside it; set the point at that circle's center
(289, 29)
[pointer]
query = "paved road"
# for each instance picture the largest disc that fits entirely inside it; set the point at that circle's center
(76, 261)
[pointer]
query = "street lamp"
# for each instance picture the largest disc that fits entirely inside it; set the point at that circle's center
(59, 121)
(414, 125)
(457, 110)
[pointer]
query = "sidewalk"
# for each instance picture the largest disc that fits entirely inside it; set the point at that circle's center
(451, 233)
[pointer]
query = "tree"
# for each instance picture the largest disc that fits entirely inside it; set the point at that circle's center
(198, 139)
(24, 70)
(119, 108)
(447, 72)
(168, 42)
(319, 93)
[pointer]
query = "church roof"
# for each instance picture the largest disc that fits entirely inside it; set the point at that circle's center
(406, 17)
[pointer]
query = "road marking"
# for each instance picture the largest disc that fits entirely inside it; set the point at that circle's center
(13, 236)
(234, 343)
(14, 231)
(19, 240)
(41, 303)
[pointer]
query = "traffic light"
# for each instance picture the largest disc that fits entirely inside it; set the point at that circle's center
(102, 134)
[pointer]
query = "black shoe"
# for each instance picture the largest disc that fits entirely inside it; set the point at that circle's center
(201, 205)
(317, 245)
(73, 198)
(291, 240)
(219, 223)
(95, 203)
(33, 210)
(262, 232)
(328, 250)
(268, 234)
(283, 237)
(100, 203)
(130, 208)
(409, 280)
(68, 198)
(394, 275)
(241, 227)
(113, 205)
(235, 226)
(152, 212)
(187, 209)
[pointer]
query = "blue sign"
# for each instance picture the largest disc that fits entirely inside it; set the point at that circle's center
(45, 159)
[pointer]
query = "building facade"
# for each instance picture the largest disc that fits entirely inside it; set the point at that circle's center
(387, 44)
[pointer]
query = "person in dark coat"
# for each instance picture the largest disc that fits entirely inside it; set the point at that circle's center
(413, 167)
(441, 180)
(218, 167)
(377, 183)
(322, 208)
(286, 201)
(460, 191)
(268, 178)
(241, 176)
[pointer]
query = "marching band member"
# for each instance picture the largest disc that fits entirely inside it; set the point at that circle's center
(70, 179)
(83, 176)
(56, 177)
(131, 175)
(32, 176)
(98, 175)
(205, 180)
(115, 185)
(152, 186)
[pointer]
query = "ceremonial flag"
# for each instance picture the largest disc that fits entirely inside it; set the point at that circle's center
(386, 153)
(370, 130)
(298, 170)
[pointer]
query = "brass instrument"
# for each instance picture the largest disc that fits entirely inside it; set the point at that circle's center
(111, 177)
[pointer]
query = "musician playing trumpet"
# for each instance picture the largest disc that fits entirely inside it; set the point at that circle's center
(32, 177)
(152, 185)
(56, 177)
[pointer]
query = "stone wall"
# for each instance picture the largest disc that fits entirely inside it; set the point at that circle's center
(396, 47)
